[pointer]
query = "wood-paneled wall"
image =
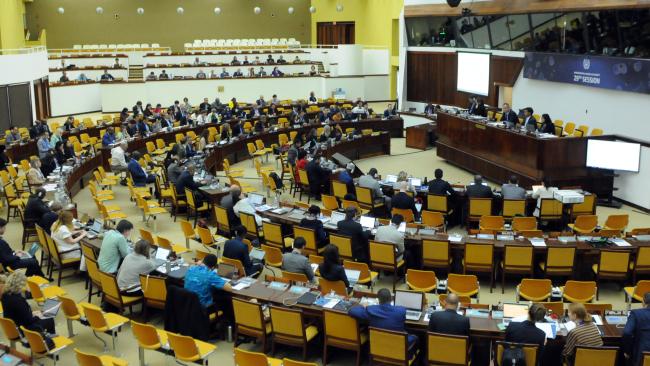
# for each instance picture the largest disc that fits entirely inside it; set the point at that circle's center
(431, 77)
(522, 6)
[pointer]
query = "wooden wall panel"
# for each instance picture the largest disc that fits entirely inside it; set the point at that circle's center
(522, 6)
(431, 77)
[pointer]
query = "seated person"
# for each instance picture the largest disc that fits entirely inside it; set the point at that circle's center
(385, 316)
(16, 308)
(109, 137)
(106, 76)
(13, 136)
(276, 72)
(440, 186)
(345, 176)
(389, 112)
(229, 201)
(163, 75)
(403, 200)
(35, 176)
(354, 230)
(546, 191)
(526, 331)
(508, 116)
(390, 234)
(47, 220)
(547, 125)
(585, 333)
(135, 264)
(66, 237)
(64, 78)
(114, 247)
(371, 181)
(449, 321)
(152, 76)
(236, 249)
(201, 75)
(186, 180)
(530, 123)
(224, 73)
(35, 208)
(280, 60)
(244, 205)
(296, 262)
(16, 259)
(202, 279)
(331, 268)
(311, 221)
(138, 174)
(478, 190)
(512, 191)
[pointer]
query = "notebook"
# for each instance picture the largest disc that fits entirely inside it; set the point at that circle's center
(368, 222)
(255, 199)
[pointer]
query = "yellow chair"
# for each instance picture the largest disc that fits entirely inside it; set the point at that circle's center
(178, 202)
(342, 331)
(438, 203)
(38, 347)
(167, 244)
(436, 254)
(612, 265)
(223, 223)
(584, 224)
(273, 256)
(586, 207)
(289, 328)
(533, 290)
(154, 293)
(205, 236)
(407, 214)
(295, 277)
(250, 321)
(89, 359)
(112, 295)
(344, 243)
(103, 322)
(554, 307)
(93, 274)
(601, 356)
(569, 128)
(188, 349)
(366, 276)
(192, 207)
(479, 207)
(367, 200)
(149, 337)
(524, 223)
(479, 258)
(389, 347)
(72, 312)
(60, 263)
(599, 309)
(423, 281)
(635, 293)
(433, 219)
(330, 202)
(244, 358)
(550, 210)
(241, 271)
(531, 351)
(445, 349)
(249, 222)
(641, 264)
(579, 291)
(514, 208)
(597, 132)
(383, 257)
(491, 223)
(40, 294)
(310, 238)
(581, 131)
(616, 222)
(559, 261)
(10, 330)
(339, 189)
(273, 235)
(337, 287)
(463, 285)
(518, 260)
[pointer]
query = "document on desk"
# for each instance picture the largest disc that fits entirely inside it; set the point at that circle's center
(620, 242)
(570, 325)
(597, 319)
(537, 242)
(241, 286)
(550, 329)
(455, 238)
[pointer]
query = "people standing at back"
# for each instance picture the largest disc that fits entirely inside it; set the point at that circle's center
(585, 333)
(449, 321)
(512, 191)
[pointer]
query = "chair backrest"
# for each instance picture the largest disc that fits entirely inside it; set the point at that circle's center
(513, 208)
(550, 207)
(273, 234)
(524, 223)
(642, 260)
(530, 352)
(382, 253)
(614, 262)
(147, 235)
(10, 329)
(388, 346)
(586, 223)
(601, 356)
(618, 222)
(641, 288)
(406, 213)
(447, 349)
(581, 291)
(555, 307)
(222, 218)
(437, 203)
(93, 271)
(518, 257)
(329, 202)
(599, 309)
(287, 322)
(205, 235)
(432, 218)
(89, 359)
(436, 250)
(586, 207)
(364, 195)
(243, 358)
(340, 327)
(309, 235)
(248, 314)
(344, 243)
(304, 179)
(480, 207)
(338, 287)
(461, 284)
(184, 347)
(69, 307)
(295, 277)
(146, 335)
(154, 288)
(236, 263)
(189, 196)
(95, 317)
(491, 222)
(560, 258)
(35, 340)
(110, 289)
(248, 221)
(421, 279)
(339, 189)
(480, 254)
(536, 288)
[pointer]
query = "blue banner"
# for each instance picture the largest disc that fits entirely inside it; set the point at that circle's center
(616, 73)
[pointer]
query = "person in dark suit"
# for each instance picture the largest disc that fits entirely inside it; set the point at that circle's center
(138, 174)
(142, 126)
(449, 321)
(236, 249)
(228, 202)
(10, 258)
(429, 109)
(403, 200)
(137, 108)
(35, 207)
(311, 221)
(16, 308)
(547, 125)
(237, 129)
(355, 231)
(331, 268)
(636, 335)
(529, 120)
(319, 178)
(480, 108)
(477, 189)
(440, 186)
(526, 331)
(186, 180)
(509, 116)
(385, 316)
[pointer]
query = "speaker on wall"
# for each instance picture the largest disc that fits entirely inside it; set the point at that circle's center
(453, 3)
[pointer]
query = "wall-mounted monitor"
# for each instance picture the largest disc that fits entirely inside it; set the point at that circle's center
(473, 73)
(613, 155)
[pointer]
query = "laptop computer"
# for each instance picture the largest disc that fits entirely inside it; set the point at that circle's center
(51, 308)
(227, 271)
(161, 256)
(368, 222)
(96, 228)
(415, 182)
(515, 310)
(353, 276)
(391, 178)
(412, 301)
(257, 254)
(335, 217)
(255, 199)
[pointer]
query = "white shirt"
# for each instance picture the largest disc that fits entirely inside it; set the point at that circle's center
(118, 156)
(542, 193)
(244, 206)
(59, 237)
(390, 234)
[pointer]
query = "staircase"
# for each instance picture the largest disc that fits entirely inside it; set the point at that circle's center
(136, 73)
(321, 69)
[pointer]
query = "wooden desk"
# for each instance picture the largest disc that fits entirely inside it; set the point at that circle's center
(497, 153)
(419, 137)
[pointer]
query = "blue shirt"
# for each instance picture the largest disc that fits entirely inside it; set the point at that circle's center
(345, 177)
(384, 316)
(201, 280)
(43, 147)
(108, 139)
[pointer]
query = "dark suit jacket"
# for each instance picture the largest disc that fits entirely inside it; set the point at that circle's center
(316, 174)
(228, 202)
(510, 117)
(636, 335)
(7, 256)
(478, 191)
(236, 249)
(449, 322)
(333, 273)
(35, 209)
(137, 173)
(359, 238)
(403, 201)
(547, 128)
(525, 332)
(317, 226)
(531, 121)
(439, 186)
(17, 309)
(186, 180)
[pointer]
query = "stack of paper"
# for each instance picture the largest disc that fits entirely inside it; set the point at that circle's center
(621, 242)
(537, 242)
(550, 329)
(455, 238)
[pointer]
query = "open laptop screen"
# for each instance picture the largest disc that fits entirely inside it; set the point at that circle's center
(409, 299)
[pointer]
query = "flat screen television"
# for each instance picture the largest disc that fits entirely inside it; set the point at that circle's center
(473, 73)
(613, 155)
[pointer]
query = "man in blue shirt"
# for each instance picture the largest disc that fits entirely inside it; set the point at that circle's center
(109, 137)
(139, 176)
(202, 279)
(43, 145)
(384, 316)
(636, 335)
